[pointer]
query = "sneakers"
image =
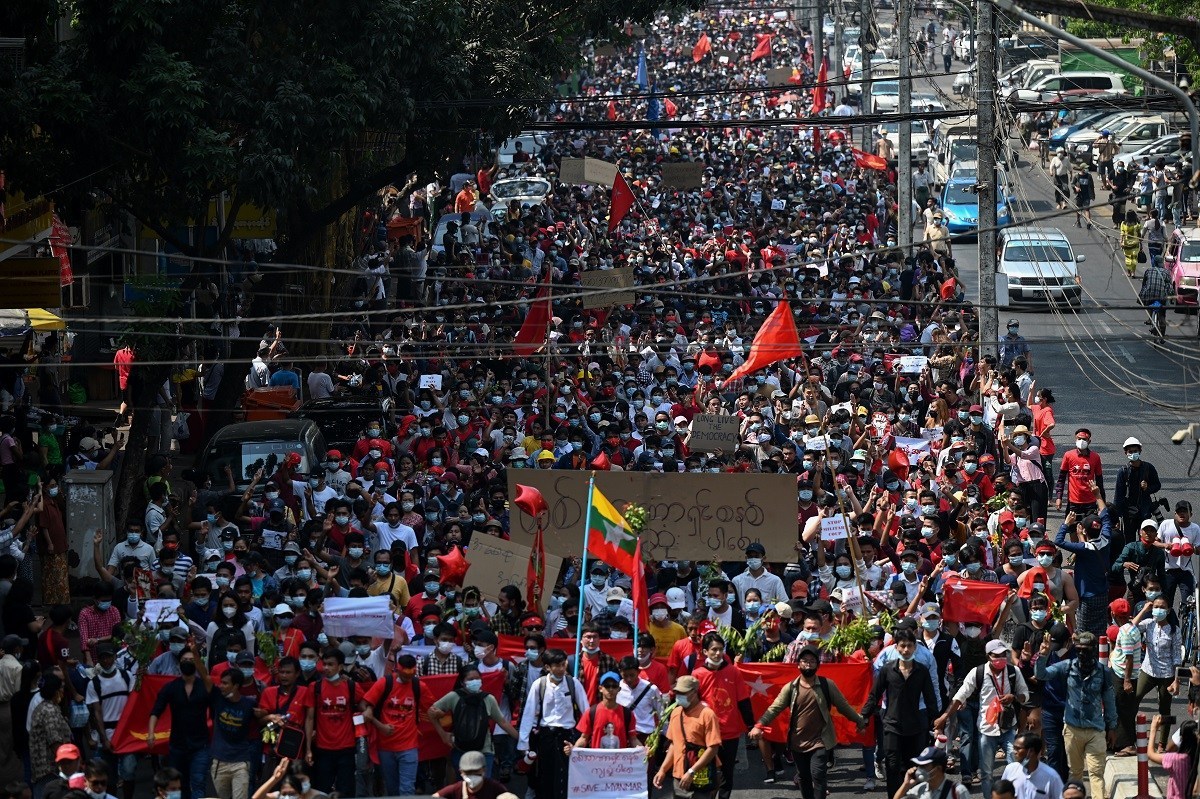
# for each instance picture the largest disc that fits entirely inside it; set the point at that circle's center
(770, 778)
(879, 773)
(869, 784)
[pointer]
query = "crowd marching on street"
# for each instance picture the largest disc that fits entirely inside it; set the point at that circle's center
(925, 620)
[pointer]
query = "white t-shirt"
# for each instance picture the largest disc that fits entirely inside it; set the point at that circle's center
(320, 496)
(401, 532)
(320, 385)
(1169, 532)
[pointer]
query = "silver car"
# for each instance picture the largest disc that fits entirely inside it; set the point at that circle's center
(1038, 265)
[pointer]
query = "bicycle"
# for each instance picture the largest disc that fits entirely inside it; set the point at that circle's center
(1158, 318)
(1187, 622)
(1044, 150)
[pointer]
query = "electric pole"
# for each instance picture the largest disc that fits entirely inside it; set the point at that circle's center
(989, 190)
(867, 45)
(819, 37)
(904, 215)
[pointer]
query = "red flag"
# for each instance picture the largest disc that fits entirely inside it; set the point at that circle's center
(512, 647)
(532, 334)
(60, 248)
(818, 92)
(622, 202)
(640, 596)
(867, 160)
(612, 111)
(433, 688)
(129, 738)
(601, 463)
(535, 572)
(972, 601)
(669, 107)
(776, 340)
(453, 567)
(703, 47)
(816, 140)
(762, 47)
(766, 680)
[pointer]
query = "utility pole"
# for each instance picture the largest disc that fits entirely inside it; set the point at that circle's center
(867, 46)
(989, 315)
(904, 215)
(818, 36)
(837, 52)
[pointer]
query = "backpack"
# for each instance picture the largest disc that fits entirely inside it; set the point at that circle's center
(1008, 718)
(470, 722)
(102, 696)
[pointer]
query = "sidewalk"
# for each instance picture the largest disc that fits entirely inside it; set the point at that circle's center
(1120, 779)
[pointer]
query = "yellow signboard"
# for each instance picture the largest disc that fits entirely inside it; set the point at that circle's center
(30, 283)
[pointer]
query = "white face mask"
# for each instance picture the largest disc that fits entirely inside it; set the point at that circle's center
(473, 781)
(659, 614)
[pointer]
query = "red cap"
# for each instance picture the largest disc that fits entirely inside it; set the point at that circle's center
(657, 599)
(1119, 606)
(707, 627)
(334, 454)
(67, 752)
(799, 588)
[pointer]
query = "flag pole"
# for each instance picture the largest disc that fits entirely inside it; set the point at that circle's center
(587, 520)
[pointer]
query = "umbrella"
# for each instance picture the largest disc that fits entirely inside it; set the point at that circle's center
(19, 321)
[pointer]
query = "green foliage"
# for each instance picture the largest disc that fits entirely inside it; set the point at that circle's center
(163, 103)
(1156, 44)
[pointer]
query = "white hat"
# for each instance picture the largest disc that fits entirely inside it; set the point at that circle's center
(615, 593)
(996, 647)
(675, 598)
(1149, 523)
(518, 453)
(283, 608)
(1131, 442)
(681, 420)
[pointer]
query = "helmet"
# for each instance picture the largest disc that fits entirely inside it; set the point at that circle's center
(1105, 132)
(1131, 442)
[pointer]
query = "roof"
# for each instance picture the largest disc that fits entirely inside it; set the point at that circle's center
(265, 430)
(1034, 234)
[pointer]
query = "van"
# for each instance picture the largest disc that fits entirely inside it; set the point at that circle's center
(954, 140)
(246, 446)
(1050, 86)
(1025, 75)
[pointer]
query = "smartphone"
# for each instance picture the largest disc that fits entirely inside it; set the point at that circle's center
(1183, 675)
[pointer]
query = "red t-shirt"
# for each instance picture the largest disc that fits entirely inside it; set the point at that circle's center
(603, 717)
(334, 707)
(589, 675)
(683, 649)
(656, 673)
(399, 710)
(53, 649)
(275, 701)
(721, 690)
(123, 360)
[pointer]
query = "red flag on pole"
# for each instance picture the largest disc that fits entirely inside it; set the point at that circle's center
(972, 601)
(776, 340)
(702, 48)
(867, 160)
(766, 680)
(612, 111)
(670, 107)
(532, 334)
(535, 572)
(816, 140)
(640, 597)
(622, 202)
(818, 92)
(762, 47)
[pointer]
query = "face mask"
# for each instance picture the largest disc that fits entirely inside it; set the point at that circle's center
(753, 607)
(363, 650)
(713, 602)
(598, 580)
(473, 686)
(229, 612)
(907, 658)
(908, 567)
(950, 560)
(806, 496)
(308, 665)
(1045, 560)
(929, 510)
(272, 496)
(445, 647)
(660, 615)
(133, 539)
(1159, 614)
(295, 602)
(473, 781)
(212, 518)
(754, 564)
(1081, 443)
(931, 624)
(227, 546)
(972, 631)
(176, 794)
(591, 649)
(1038, 615)
(304, 574)
(187, 668)
(683, 700)
(1134, 457)
(222, 581)
(844, 572)
(248, 673)
(480, 652)
(1153, 595)
(103, 606)
(435, 461)
(1015, 560)
(176, 648)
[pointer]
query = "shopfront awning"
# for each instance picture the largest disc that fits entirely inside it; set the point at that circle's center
(19, 321)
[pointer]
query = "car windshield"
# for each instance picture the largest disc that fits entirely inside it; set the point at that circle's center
(964, 150)
(886, 87)
(957, 194)
(1190, 252)
(246, 457)
(519, 188)
(894, 127)
(1038, 251)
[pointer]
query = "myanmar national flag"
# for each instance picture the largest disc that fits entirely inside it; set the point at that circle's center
(609, 538)
(972, 601)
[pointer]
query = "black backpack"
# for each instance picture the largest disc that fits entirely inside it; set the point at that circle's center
(470, 723)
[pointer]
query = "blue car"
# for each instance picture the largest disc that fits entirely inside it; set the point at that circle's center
(960, 206)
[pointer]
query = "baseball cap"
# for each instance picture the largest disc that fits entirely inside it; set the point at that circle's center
(1120, 605)
(675, 598)
(87, 444)
(1149, 523)
(997, 647)
(657, 599)
(244, 658)
(930, 756)
(67, 752)
(12, 642)
(615, 593)
(783, 609)
(284, 609)
(756, 547)
(472, 761)
(610, 675)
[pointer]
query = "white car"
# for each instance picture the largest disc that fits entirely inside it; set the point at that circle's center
(885, 96)
(852, 59)
(1039, 267)
(1164, 148)
(964, 47)
(525, 191)
(530, 143)
(920, 138)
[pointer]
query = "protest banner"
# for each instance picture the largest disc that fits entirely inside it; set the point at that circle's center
(766, 680)
(587, 170)
(504, 563)
(368, 615)
(688, 175)
(160, 611)
(608, 773)
(433, 687)
(779, 76)
(607, 279)
(912, 364)
(690, 516)
(430, 381)
(914, 448)
(710, 432)
(833, 528)
(274, 539)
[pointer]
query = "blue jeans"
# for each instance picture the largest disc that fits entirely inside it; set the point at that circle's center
(193, 765)
(399, 771)
(968, 733)
(489, 758)
(1054, 754)
(988, 746)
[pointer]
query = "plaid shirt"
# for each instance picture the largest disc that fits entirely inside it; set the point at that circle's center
(506, 624)
(431, 664)
(95, 623)
(1156, 285)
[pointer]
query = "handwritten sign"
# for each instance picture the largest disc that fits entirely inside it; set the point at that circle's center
(607, 279)
(914, 448)
(713, 431)
(687, 175)
(912, 364)
(367, 615)
(161, 611)
(608, 773)
(504, 563)
(587, 170)
(690, 516)
(833, 528)
(430, 381)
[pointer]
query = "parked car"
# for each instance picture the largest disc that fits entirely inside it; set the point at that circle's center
(342, 418)
(1184, 265)
(1132, 134)
(1051, 86)
(885, 96)
(482, 220)
(246, 446)
(1083, 121)
(1021, 77)
(524, 191)
(1163, 147)
(919, 144)
(1039, 267)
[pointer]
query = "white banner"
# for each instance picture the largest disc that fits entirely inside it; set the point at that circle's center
(608, 774)
(912, 364)
(914, 448)
(160, 611)
(833, 528)
(367, 615)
